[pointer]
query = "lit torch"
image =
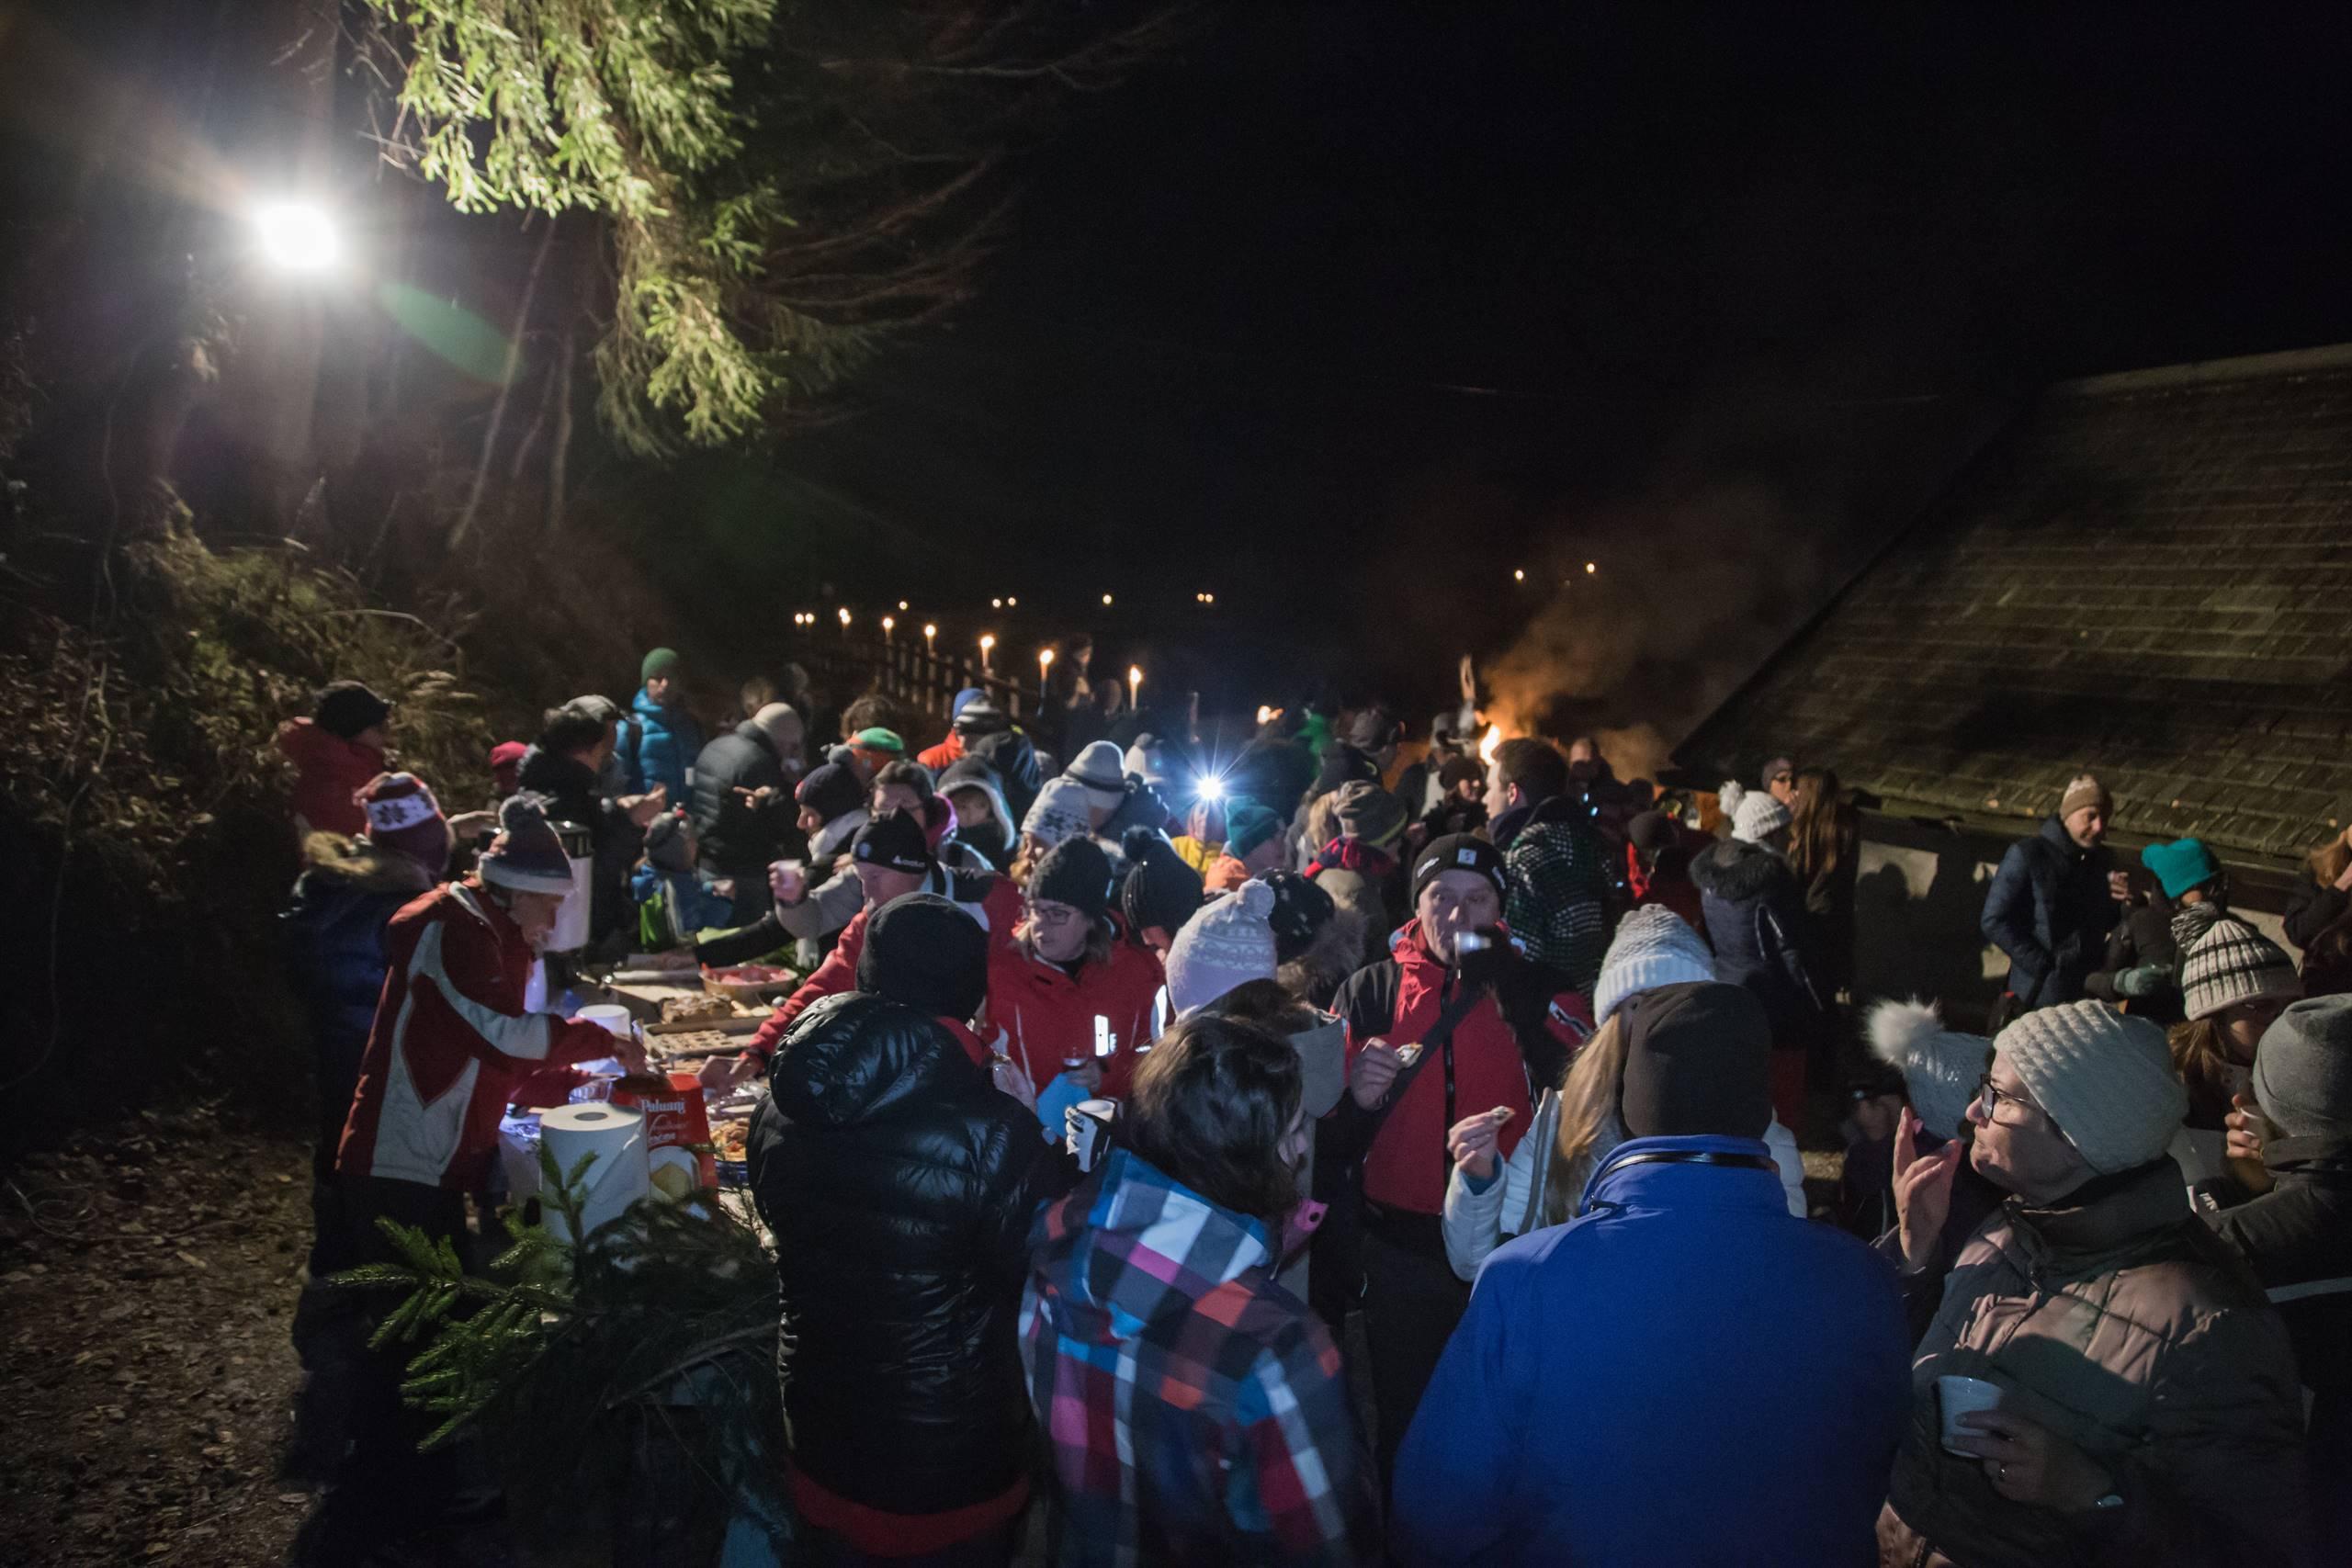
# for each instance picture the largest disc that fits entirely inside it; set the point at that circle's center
(1134, 683)
(1491, 744)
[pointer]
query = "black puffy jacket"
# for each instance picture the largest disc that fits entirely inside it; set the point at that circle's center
(737, 840)
(899, 1184)
(1755, 915)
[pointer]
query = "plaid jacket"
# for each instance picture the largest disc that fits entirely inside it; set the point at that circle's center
(1559, 889)
(1193, 1410)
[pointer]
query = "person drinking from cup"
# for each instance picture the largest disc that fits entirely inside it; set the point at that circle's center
(2147, 1410)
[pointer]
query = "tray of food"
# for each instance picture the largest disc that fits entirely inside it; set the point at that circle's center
(683, 1014)
(750, 982)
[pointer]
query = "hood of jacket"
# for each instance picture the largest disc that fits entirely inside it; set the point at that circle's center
(1737, 871)
(645, 707)
(358, 865)
(831, 840)
(1002, 833)
(1134, 1243)
(308, 746)
(544, 773)
(853, 1057)
(2103, 1223)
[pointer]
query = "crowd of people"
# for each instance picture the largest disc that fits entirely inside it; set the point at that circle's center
(1366, 1149)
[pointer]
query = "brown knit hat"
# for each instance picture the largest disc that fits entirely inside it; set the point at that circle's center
(2084, 789)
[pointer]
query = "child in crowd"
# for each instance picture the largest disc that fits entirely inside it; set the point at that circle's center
(675, 899)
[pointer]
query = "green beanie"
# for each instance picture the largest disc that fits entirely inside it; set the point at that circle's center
(661, 661)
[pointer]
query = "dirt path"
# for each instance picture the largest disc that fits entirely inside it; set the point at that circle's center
(148, 1274)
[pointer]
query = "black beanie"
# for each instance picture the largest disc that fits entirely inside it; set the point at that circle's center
(1075, 872)
(1458, 852)
(1301, 911)
(922, 952)
(1160, 889)
(1698, 1061)
(830, 791)
(346, 707)
(895, 840)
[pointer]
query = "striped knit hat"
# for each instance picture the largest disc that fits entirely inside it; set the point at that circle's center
(1653, 947)
(2233, 963)
(526, 856)
(2106, 1079)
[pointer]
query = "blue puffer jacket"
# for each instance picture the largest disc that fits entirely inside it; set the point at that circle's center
(335, 931)
(1684, 1373)
(658, 743)
(2048, 909)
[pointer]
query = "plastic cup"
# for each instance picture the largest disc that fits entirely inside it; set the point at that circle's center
(1956, 1396)
(1089, 1125)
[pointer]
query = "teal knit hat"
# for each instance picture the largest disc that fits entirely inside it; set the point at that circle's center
(2180, 865)
(1246, 827)
(661, 661)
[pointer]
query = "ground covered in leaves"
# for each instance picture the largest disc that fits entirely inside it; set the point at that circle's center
(148, 1276)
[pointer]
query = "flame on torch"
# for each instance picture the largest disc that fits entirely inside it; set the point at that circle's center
(1491, 744)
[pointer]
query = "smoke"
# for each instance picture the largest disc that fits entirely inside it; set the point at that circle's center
(1689, 591)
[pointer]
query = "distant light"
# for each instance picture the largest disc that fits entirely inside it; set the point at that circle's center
(1266, 715)
(987, 641)
(1211, 787)
(1208, 598)
(844, 615)
(1107, 598)
(1044, 659)
(902, 606)
(889, 623)
(1518, 574)
(1591, 567)
(297, 236)
(996, 603)
(1011, 603)
(930, 629)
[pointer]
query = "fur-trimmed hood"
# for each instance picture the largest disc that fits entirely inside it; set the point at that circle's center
(1734, 870)
(361, 865)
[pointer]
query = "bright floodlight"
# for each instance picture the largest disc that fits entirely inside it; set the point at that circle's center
(1212, 787)
(296, 236)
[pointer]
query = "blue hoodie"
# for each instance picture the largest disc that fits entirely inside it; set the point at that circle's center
(1684, 1373)
(658, 743)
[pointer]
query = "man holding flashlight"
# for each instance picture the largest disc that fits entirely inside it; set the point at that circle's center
(1453, 1022)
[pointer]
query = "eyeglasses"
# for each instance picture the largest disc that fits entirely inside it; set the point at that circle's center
(1989, 1096)
(1054, 916)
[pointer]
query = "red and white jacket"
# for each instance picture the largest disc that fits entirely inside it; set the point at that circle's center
(452, 1046)
(1039, 1013)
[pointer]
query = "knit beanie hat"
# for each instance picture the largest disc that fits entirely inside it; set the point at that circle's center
(878, 742)
(344, 708)
(1246, 825)
(1301, 911)
(1059, 813)
(1698, 1061)
(1758, 815)
(1940, 1067)
(2234, 962)
(1375, 728)
(1075, 872)
(1651, 832)
(667, 838)
(2180, 865)
(2082, 790)
(923, 952)
(506, 766)
(978, 717)
(1161, 889)
(895, 840)
(1099, 769)
(661, 661)
(1459, 851)
(2106, 1079)
(402, 817)
(830, 791)
(1228, 943)
(526, 856)
(2303, 1070)
(965, 699)
(1653, 947)
(1773, 768)
(1368, 812)
(781, 725)
(1459, 771)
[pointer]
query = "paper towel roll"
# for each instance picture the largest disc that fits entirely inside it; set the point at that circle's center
(619, 1175)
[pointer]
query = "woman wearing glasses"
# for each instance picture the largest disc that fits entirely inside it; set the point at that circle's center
(2148, 1410)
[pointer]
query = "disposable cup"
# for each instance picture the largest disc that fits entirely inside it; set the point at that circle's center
(612, 1020)
(1089, 1125)
(1956, 1396)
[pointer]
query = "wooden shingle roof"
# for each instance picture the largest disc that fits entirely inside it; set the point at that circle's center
(2149, 575)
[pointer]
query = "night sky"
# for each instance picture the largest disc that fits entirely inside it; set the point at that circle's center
(1354, 308)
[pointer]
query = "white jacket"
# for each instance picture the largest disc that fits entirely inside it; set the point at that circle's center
(1478, 1222)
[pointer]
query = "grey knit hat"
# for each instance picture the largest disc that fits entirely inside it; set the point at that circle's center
(1228, 943)
(2233, 963)
(1940, 1067)
(2106, 1079)
(2303, 1070)
(1653, 947)
(1758, 816)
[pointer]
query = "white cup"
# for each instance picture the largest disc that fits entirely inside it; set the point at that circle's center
(1089, 1125)
(611, 1019)
(1956, 1396)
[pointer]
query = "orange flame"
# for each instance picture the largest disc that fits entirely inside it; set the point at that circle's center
(1491, 744)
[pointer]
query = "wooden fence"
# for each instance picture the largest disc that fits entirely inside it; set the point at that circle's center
(849, 664)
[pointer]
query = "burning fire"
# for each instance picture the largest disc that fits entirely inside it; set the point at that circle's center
(1491, 744)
